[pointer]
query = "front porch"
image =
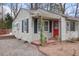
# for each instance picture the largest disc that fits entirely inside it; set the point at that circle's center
(51, 26)
(51, 30)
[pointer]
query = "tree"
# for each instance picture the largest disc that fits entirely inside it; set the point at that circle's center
(8, 21)
(76, 10)
(15, 8)
(62, 6)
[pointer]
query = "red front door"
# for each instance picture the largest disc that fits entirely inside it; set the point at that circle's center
(55, 30)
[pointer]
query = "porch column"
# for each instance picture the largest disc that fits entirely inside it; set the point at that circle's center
(63, 29)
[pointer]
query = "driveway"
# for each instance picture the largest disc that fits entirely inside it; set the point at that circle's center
(14, 47)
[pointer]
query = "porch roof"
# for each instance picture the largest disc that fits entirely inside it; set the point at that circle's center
(51, 15)
(71, 18)
(44, 14)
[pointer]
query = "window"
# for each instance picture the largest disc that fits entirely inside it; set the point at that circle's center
(72, 26)
(46, 25)
(25, 25)
(38, 25)
(55, 25)
(67, 26)
(17, 25)
(35, 25)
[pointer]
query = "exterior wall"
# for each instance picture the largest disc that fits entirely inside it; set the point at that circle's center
(73, 34)
(68, 35)
(18, 33)
(30, 36)
(26, 36)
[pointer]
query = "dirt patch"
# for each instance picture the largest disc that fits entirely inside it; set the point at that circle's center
(61, 49)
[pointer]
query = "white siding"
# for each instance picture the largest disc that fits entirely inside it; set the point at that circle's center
(23, 15)
(73, 34)
(30, 36)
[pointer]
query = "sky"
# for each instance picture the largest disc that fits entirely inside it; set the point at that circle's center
(68, 10)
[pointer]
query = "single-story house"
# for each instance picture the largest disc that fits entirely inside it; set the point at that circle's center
(26, 26)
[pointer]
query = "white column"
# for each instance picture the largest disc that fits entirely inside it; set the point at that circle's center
(78, 29)
(63, 29)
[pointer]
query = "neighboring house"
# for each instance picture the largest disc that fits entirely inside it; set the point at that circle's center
(26, 25)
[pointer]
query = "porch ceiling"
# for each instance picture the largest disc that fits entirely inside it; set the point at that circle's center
(44, 14)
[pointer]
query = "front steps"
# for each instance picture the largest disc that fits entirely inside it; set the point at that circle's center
(37, 42)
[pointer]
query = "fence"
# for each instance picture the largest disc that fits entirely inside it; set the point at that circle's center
(4, 31)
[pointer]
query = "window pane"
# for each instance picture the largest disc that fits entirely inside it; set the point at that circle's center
(46, 26)
(67, 26)
(25, 25)
(35, 25)
(72, 26)
(55, 25)
(38, 25)
(17, 25)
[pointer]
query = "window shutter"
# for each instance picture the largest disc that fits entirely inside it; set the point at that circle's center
(50, 26)
(27, 25)
(22, 26)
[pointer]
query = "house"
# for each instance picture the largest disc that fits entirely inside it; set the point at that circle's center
(26, 26)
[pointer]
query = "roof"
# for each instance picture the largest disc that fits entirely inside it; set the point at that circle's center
(48, 14)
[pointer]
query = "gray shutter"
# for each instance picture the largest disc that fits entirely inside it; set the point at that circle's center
(22, 26)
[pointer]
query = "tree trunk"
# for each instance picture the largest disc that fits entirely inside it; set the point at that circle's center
(62, 7)
(76, 10)
(2, 16)
(17, 12)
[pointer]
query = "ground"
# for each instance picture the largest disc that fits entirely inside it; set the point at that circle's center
(14, 47)
(61, 49)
